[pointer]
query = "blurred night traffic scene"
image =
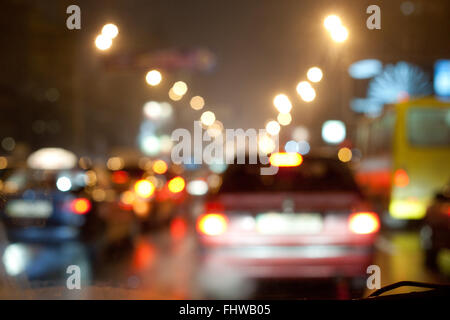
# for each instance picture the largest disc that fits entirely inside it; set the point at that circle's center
(257, 149)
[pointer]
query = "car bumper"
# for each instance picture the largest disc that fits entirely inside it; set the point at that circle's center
(316, 261)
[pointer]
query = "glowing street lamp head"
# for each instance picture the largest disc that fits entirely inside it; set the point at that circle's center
(153, 78)
(110, 30)
(180, 88)
(282, 103)
(197, 103)
(314, 74)
(102, 42)
(207, 118)
(273, 128)
(331, 22)
(284, 119)
(339, 34)
(306, 91)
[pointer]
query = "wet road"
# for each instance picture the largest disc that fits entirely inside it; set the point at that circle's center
(163, 265)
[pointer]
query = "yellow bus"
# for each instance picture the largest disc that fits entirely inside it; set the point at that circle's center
(406, 155)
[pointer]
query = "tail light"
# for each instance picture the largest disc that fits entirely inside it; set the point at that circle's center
(81, 206)
(364, 222)
(285, 159)
(212, 224)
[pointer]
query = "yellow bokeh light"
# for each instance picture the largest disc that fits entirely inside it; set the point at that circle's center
(144, 188)
(273, 128)
(339, 34)
(127, 197)
(102, 42)
(174, 96)
(115, 163)
(197, 103)
(110, 30)
(159, 167)
(331, 22)
(3, 163)
(266, 144)
(314, 74)
(176, 185)
(282, 103)
(306, 91)
(208, 118)
(284, 119)
(180, 88)
(345, 154)
(153, 77)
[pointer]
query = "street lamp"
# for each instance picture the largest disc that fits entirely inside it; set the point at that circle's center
(110, 30)
(102, 42)
(153, 78)
(314, 74)
(338, 32)
(331, 22)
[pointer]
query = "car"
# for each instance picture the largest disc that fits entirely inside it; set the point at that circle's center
(435, 233)
(151, 189)
(308, 221)
(46, 205)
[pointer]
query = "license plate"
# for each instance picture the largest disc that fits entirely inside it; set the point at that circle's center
(289, 223)
(29, 209)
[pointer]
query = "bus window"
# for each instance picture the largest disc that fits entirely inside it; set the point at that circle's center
(429, 127)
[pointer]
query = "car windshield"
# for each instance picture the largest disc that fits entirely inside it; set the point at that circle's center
(313, 175)
(123, 124)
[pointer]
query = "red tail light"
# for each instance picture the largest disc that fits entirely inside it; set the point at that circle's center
(81, 206)
(364, 223)
(212, 224)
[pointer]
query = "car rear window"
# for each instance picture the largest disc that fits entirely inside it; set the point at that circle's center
(312, 175)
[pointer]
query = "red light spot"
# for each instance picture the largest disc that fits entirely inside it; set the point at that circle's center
(81, 206)
(178, 228)
(119, 177)
(144, 255)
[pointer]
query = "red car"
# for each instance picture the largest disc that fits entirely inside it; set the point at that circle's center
(309, 220)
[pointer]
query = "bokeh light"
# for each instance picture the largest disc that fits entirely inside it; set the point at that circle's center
(153, 78)
(207, 118)
(339, 34)
(282, 103)
(314, 74)
(110, 30)
(102, 42)
(197, 103)
(273, 128)
(331, 22)
(174, 96)
(180, 88)
(345, 154)
(284, 119)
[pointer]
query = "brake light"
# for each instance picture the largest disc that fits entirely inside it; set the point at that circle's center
(401, 178)
(285, 159)
(81, 206)
(364, 222)
(212, 224)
